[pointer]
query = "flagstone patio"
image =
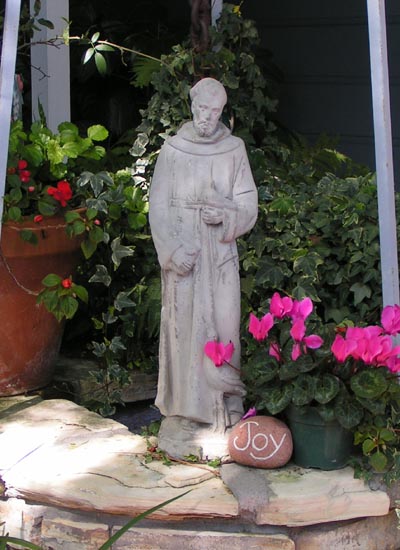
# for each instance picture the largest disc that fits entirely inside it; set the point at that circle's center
(71, 477)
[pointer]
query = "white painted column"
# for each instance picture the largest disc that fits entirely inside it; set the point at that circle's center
(216, 9)
(50, 72)
(7, 72)
(383, 150)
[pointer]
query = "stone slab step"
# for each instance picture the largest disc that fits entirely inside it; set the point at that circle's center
(57, 453)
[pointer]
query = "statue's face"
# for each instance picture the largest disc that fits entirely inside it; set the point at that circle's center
(206, 113)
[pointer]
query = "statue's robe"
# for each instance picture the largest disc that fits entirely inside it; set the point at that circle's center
(191, 173)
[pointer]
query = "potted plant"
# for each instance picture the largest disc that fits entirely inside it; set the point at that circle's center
(45, 222)
(338, 380)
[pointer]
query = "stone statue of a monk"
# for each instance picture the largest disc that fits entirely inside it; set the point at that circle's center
(202, 198)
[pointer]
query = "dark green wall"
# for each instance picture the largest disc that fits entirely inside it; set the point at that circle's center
(323, 50)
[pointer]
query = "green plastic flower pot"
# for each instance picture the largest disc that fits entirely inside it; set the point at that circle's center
(316, 443)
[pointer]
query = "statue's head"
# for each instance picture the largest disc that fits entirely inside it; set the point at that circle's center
(208, 100)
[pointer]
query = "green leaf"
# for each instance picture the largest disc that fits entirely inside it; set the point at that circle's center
(308, 263)
(95, 37)
(144, 69)
(51, 280)
(282, 205)
(88, 55)
(101, 276)
(19, 542)
(288, 370)
(387, 435)
(117, 345)
(277, 399)
(68, 131)
(122, 300)
(104, 48)
(71, 149)
(360, 292)
(45, 23)
(378, 461)
(97, 132)
(47, 208)
(139, 146)
(120, 251)
(81, 292)
(88, 248)
(96, 234)
(348, 412)
(68, 306)
(303, 389)
(14, 214)
(368, 446)
(49, 298)
(78, 227)
(136, 221)
(369, 383)
(326, 388)
(28, 236)
(55, 152)
(101, 63)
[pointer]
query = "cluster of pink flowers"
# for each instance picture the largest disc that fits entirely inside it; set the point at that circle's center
(372, 345)
(295, 310)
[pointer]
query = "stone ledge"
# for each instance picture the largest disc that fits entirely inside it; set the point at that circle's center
(51, 528)
(58, 455)
(72, 379)
(294, 496)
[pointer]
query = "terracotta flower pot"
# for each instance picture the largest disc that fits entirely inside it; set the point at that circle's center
(30, 336)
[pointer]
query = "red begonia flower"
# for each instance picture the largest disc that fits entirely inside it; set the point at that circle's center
(24, 176)
(38, 218)
(62, 193)
(66, 283)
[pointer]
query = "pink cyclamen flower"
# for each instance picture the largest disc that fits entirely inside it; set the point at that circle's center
(393, 364)
(297, 332)
(260, 328)
(218, 352)
(390, 319)
(279, 307)
(275, 351)
(342, 349)
(301, 309)
(251, 412)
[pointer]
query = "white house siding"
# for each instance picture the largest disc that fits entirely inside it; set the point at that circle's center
(322, 49)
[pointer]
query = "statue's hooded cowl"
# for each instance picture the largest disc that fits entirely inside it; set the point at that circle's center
(191, 173)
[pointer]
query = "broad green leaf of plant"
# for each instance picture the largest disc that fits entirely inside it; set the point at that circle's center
(97, 132)
(120, 251)
(369, 383)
